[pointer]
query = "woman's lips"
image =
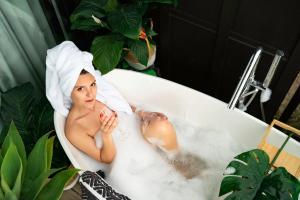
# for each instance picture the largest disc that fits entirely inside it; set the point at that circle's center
(90, 100)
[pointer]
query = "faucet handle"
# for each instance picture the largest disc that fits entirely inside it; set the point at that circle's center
(273, 68)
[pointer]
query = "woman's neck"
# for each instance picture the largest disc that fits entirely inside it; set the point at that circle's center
(82, 111)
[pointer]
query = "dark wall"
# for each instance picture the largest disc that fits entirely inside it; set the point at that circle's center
(206, 45)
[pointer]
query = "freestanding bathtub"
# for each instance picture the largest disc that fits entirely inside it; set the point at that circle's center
(175, 99)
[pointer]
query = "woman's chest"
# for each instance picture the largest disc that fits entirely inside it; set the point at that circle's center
(91, 123)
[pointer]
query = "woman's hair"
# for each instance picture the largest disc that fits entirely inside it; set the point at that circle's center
(83, 71)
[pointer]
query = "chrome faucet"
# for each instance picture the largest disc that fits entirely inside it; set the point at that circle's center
(248, 87)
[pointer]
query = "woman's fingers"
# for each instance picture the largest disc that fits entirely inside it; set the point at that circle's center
(104, 121)
(111, 123)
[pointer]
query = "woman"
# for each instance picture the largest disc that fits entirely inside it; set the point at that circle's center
(80, 101)
(94, 108)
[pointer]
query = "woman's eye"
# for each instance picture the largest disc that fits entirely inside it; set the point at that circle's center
(79, 89)
(93, 84)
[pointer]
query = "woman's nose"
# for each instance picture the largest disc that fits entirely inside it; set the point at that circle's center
(88, 92)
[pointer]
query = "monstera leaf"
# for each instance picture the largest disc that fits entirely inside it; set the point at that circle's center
(247, 178)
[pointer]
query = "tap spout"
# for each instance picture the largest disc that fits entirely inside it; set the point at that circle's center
(249, 72)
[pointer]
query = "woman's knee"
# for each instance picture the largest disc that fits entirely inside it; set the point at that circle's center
(162, 133)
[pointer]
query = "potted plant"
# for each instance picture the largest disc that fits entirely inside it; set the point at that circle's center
(250, 177)
(123, 28)
(25, 177)
(33, 118)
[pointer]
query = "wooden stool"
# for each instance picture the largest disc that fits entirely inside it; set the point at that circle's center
(285, 159)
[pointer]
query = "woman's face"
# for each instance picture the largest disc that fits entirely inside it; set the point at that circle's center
(84, 92)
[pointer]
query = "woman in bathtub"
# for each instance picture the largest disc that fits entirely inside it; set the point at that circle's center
(89, 116)
(92, 106)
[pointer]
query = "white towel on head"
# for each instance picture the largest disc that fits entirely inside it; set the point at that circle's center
(64, 64)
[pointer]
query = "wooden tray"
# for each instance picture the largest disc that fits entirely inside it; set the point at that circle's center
(285, 159)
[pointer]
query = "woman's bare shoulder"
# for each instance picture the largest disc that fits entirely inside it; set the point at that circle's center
(72, 126)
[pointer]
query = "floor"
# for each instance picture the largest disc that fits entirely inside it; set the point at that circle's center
(72, 194)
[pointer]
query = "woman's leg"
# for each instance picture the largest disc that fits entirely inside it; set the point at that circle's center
(158, 130)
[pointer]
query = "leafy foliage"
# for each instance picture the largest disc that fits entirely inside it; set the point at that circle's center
(33, 118)
(107, 51)
(127, 21)
(123, 18)
(248, 178)
(139, 50)
(27, 178)
(17, 104)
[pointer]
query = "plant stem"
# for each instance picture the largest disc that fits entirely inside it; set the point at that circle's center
(279, 151)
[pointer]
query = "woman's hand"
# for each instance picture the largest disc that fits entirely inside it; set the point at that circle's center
(108, 123)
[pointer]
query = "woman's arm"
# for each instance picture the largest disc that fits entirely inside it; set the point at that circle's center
(81, 140)
(108, 147)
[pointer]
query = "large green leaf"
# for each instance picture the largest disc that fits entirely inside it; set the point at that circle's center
(37, 163)
(139, 50)
(17, 105)
(87, 24)
(249, 169)
(42, 118)
(247, 178)
(37, 185)
(1, 160)
(54, 189)
(111, 5)
(1, 194)
(50, 142)
(11, 171)
(10, 196)
(126, 20)
(107, 52)
(279, 185)
(141, 7)
(82, 19)
(59, 158)
(14, 137)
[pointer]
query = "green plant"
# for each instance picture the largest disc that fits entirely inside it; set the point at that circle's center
(248, 177)
(33, 118)
(27, 178)
(121, 26)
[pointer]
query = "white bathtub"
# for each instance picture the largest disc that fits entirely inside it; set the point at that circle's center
(177, 100)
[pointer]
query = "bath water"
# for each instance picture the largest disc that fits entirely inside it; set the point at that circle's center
(143, 172)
